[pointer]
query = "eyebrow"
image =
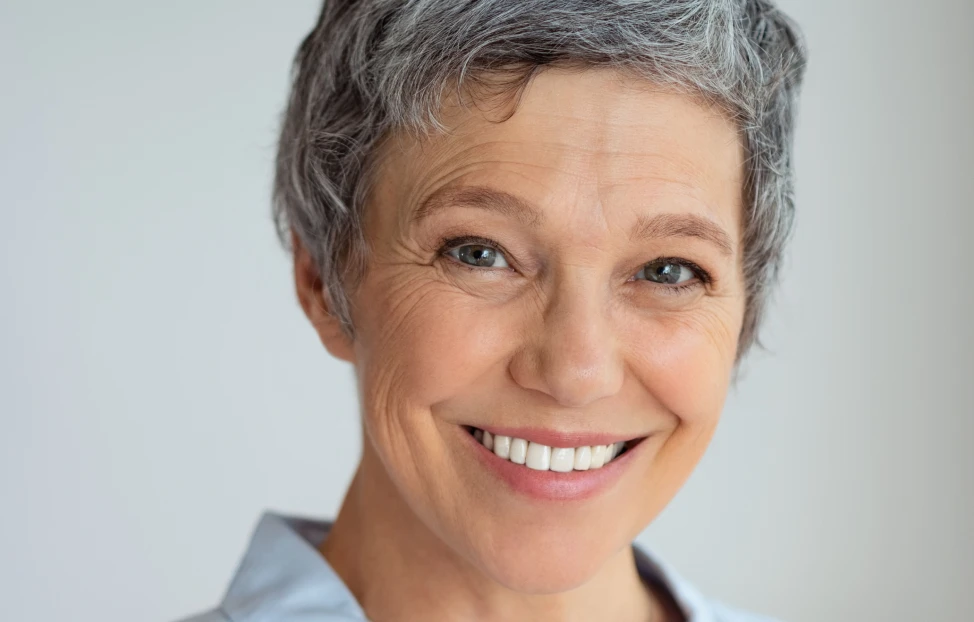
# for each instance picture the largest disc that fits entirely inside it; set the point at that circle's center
(507, 204)
(682, 226)
(480, 197)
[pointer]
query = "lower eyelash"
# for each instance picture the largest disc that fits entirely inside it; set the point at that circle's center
(453, 261)
(676, 290)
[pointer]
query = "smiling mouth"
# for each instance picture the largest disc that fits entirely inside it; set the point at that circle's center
(546, 458)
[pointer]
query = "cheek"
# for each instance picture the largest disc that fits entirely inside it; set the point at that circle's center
(683, 366)
(685, 361)
(427, 338)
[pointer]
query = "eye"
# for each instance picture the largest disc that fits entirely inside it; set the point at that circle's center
(479, 256)
(667, 272)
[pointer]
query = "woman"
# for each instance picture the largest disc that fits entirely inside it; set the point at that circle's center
(543, 233)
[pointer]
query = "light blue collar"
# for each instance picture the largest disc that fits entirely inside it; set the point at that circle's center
(283, 578)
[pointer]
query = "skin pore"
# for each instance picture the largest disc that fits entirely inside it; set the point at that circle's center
(597, 184)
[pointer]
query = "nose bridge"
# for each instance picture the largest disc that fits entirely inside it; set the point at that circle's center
(577, 353)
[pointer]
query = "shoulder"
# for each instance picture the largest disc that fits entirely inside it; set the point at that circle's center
(283, 578)
(694, 606)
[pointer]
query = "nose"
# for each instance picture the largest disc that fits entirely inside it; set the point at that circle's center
(573, 356)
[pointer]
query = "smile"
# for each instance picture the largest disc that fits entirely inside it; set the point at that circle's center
(542, 457)
(553, 466)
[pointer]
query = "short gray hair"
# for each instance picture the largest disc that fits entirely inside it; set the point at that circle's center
(370, 67)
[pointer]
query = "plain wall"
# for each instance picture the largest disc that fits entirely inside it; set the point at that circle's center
(159, 385)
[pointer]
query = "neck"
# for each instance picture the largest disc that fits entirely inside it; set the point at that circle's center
(398, 569)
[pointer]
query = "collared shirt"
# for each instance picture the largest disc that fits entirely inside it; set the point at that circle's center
(283, 578)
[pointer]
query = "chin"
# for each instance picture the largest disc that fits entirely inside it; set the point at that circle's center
(551, 569)
(547, 556)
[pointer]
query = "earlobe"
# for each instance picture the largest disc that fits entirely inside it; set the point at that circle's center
(314, 301)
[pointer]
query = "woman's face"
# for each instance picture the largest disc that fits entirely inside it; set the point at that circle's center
(570, 276)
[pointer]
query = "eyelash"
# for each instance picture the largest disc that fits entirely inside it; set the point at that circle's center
(448, 244)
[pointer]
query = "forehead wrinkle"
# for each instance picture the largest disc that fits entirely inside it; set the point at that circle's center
(431, 166)
(587, 153)
(482, 162)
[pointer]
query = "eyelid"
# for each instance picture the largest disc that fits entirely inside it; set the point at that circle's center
(463, 240)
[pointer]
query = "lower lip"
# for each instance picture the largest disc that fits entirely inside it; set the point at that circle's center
(552, 485)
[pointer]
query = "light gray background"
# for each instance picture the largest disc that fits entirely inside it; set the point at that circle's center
(159, 386)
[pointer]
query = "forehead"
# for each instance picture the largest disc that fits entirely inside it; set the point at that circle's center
(594, 145)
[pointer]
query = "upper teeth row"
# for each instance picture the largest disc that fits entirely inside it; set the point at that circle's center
(544, 458)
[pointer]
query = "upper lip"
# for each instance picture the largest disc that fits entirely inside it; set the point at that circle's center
(559, 438)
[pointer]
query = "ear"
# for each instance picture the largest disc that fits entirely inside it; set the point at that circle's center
(314, 301)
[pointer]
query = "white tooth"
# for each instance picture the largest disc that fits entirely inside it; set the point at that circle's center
(619, 447)
(488, 440)
(610, 452)
(519, 450)
(539, 457)
(502, 446)
(479, 435)
(562, 459)
(598, 456)
(583, 458)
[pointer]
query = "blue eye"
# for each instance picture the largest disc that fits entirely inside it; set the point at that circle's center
(479, 255)
(666, 272)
